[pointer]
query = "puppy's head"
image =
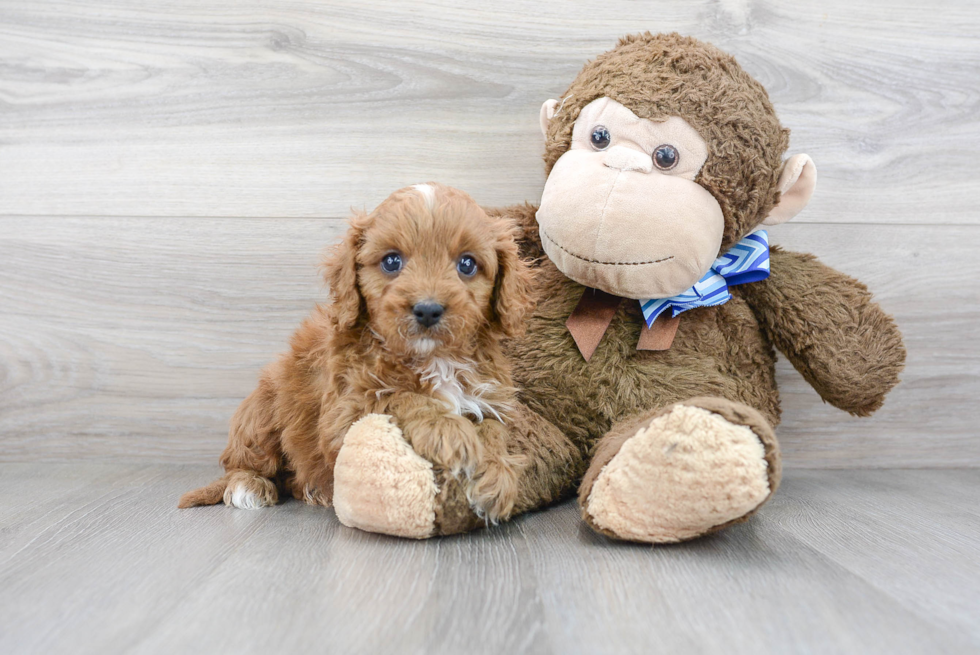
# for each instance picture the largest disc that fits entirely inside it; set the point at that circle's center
(428, 272)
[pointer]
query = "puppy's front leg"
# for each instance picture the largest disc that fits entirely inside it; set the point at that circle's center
(493, 491)
(446, 439)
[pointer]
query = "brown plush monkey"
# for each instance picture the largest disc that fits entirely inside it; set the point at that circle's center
(664, 160)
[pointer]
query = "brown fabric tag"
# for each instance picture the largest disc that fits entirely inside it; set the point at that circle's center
(660, 336)
(592, 315)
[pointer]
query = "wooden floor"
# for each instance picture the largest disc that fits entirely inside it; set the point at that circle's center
(96, 558)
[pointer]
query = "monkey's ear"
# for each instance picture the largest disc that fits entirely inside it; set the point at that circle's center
(547, 113)
(796, 185)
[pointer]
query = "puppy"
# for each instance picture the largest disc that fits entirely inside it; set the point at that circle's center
(422, 291)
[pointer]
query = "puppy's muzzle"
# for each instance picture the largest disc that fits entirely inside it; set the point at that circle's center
(428, 313)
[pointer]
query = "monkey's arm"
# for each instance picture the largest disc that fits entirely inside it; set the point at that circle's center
(826, 324)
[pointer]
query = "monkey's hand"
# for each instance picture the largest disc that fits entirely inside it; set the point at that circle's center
(826, 324)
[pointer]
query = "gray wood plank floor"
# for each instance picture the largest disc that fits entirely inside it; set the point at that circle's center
(96, 558)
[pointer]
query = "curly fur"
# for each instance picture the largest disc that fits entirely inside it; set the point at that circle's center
(361, 354)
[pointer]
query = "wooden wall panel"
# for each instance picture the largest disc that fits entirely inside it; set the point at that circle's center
(137, 338)
(304, 108)
(170, 171)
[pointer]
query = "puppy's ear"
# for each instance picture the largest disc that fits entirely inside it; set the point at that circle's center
(340, 272)
(512, 288)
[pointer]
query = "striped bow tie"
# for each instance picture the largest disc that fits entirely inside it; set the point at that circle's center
(747, 261)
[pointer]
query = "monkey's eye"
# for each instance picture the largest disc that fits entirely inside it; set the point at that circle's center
(600, 137)
(466, 266)
(666, 157)
(391, 263)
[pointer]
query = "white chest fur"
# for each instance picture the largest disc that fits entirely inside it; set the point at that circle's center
(452, 381)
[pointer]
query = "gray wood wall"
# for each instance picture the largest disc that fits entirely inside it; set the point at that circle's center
(170, 171)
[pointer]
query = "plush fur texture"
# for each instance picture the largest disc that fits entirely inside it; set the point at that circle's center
(664, 75)
(829, 328)
(824, 321)
(448, 387)
(722, 358)
(610, 219)
(723, 486)
(693, 466)
(396, 494)
(381, 485)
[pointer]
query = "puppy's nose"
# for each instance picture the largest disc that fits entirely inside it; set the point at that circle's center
(427, 312)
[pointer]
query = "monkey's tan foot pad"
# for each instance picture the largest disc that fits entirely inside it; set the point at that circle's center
(381, 484)
(687, 472)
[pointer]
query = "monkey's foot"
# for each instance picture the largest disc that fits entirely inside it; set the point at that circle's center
(676, 474)
(382, 485)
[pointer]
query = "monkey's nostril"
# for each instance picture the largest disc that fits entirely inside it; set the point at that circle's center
(427, 312)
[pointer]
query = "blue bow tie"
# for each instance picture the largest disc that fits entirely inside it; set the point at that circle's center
(747, 261)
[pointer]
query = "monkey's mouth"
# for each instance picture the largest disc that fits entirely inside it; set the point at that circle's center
(596, 261)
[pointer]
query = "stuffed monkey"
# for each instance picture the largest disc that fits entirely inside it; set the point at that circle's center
(661, 304)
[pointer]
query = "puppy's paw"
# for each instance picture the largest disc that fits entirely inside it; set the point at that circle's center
(449, 440)
(249, 490)
(493, 492)
(313, 496)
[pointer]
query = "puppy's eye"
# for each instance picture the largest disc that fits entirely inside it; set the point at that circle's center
(466, 266)
(666, 157)
(391, 263)
(600, 137)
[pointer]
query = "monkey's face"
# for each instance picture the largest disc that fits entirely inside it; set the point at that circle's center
(621, 211)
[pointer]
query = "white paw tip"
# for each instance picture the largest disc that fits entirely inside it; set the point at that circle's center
(242, 498)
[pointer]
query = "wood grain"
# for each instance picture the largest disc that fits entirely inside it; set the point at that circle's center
(874, 523)
(773, 589)
(140, 336)
(137, 338)
(169, 172)
(841, 561)
(302, 109)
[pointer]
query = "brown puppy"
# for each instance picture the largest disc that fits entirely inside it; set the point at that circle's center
(423, 289)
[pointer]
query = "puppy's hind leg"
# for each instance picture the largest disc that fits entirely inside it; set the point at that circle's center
(207, 495)
(252, 458)
(241, 489)
(249, 490)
